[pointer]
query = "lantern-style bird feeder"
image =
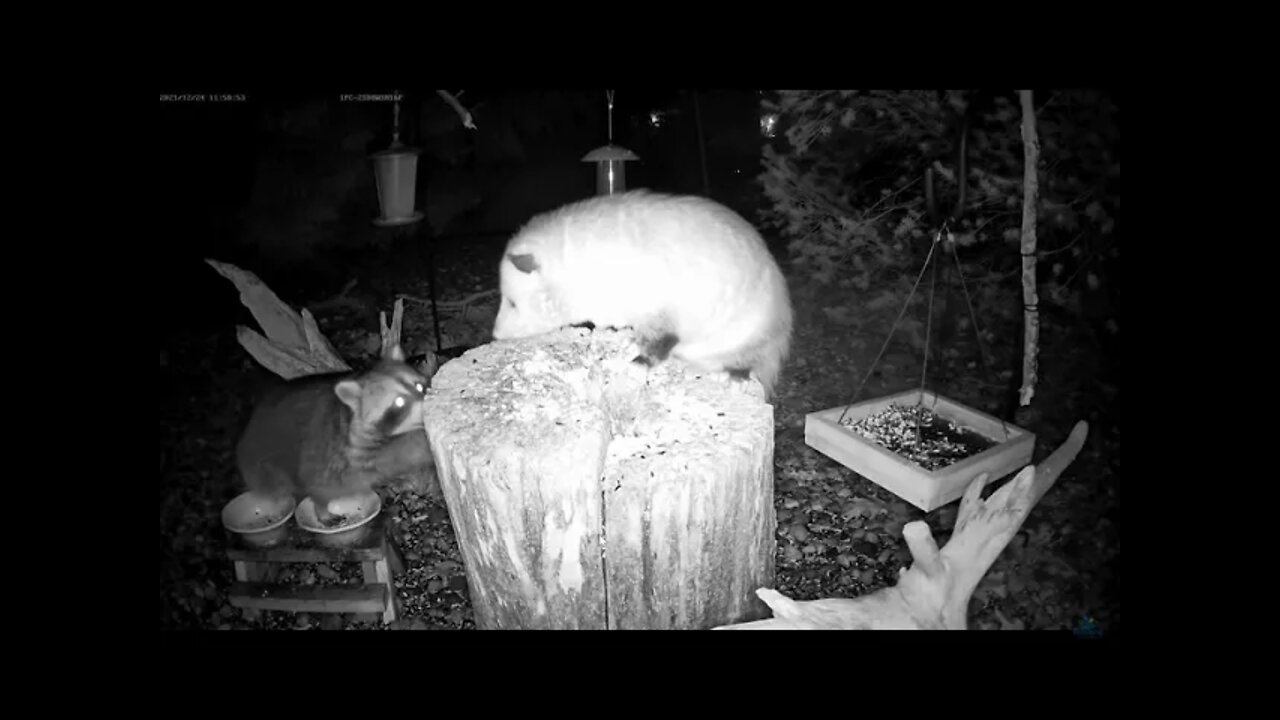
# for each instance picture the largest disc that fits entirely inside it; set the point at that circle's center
(611, 174)
(396, 170)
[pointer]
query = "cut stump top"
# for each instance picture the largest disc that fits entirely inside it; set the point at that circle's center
(512, 398)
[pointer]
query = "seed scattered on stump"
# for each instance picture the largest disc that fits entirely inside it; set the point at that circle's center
(920, 435)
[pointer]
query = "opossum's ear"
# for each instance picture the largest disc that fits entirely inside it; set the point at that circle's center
(524, 262)
(348, 391)
(394, 353)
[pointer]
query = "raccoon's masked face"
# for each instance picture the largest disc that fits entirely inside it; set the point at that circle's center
(528, 306)
(387, 402)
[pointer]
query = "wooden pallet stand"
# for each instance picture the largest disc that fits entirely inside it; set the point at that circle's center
(256, 568)
(925, 489)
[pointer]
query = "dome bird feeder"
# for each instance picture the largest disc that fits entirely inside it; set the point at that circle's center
(611, 173)
(396, 171)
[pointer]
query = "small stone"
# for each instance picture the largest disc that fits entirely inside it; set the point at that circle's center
(799, 532)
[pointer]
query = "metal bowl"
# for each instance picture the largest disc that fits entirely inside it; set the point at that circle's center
(259, 519)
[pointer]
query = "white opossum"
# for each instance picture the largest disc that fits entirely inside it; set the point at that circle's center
(690, 276)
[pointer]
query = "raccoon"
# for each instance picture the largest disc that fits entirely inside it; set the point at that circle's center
(691, 277)
(331, 435)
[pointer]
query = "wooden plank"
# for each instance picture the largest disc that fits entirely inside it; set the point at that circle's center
(291, 598)
(380, 572)
(302, 546)
(307, 554)
(985, 424)
(892, 472)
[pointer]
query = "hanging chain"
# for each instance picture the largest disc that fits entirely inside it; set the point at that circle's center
(977, 330)
(395, 119)
(928, 318)
(609, 94)
(892, 330)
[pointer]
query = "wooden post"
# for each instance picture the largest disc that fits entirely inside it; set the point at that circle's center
(589, 492)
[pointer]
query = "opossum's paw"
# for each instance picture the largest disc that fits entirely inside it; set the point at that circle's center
(655, 349)
(739, 377)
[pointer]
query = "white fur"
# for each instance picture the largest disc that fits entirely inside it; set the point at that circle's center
(637, 258)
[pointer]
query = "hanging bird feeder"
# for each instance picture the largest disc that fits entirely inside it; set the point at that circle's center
(923, 447)
(611, 173)
(396, 171)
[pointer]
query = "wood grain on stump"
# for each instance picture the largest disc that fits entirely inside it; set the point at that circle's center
(589, 492)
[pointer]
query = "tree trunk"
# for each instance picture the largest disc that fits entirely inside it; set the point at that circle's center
(589, 492)
(1030, 205)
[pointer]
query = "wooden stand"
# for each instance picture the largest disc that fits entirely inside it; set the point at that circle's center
(256, 569)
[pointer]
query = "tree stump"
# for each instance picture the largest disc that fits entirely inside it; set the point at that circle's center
(590, 492)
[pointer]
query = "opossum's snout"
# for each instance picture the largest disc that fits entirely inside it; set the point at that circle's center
(530, 313)
(505, 324)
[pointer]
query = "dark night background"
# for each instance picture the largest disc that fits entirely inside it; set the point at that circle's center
(282, 186)
(524, 157)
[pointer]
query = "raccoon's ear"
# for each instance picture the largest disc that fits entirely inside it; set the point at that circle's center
(524, 262)
(348, 391)
(395, 352)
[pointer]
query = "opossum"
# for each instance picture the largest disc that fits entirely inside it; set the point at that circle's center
(332, 435)
(691, 277)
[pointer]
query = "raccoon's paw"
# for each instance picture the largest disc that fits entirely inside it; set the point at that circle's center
(323, 516)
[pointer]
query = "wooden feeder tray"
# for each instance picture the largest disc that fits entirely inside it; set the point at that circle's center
(926, 489)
